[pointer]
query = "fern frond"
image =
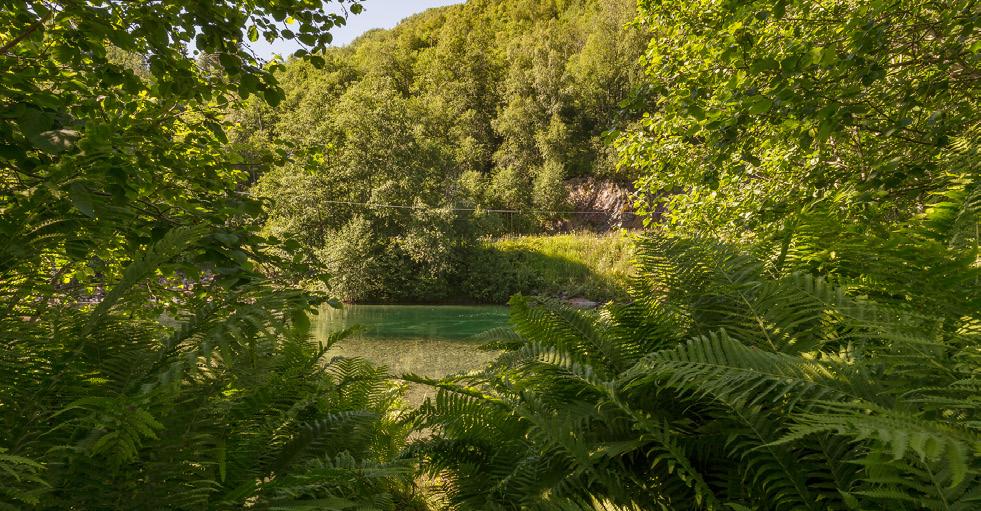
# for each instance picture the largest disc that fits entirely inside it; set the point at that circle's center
(899, 432)
(718, 366)
(168, 247)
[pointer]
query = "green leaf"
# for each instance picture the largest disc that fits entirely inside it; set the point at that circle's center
(779, 9)
(815, 55)
(226, 238)
(300, 320)
(248, 84)
(759, 105)
(82, 199)
(229, 61)
(308, 38)
(825, 129)
(56, 141)
(316, 60)
(253, 34)
(11, 152)
(696, 112)
(829, 56)
(274, 96)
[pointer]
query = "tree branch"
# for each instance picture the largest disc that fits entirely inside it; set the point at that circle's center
(25, 34)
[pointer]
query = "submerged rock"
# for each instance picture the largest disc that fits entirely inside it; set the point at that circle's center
(582, 303)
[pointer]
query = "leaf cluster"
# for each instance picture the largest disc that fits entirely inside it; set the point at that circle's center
(762, 107)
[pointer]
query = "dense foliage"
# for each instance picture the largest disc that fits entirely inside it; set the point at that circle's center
(763, 107)
(152, 353)
(804, 331)
(596, 267)
(486, 105)
(728, 384)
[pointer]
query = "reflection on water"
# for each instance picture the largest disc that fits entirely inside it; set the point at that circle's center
(426, 340)
(446, 322)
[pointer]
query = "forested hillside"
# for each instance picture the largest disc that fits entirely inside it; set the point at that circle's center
(486, 105)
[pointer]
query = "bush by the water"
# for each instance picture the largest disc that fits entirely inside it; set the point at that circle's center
(384, 160)
(584, 265)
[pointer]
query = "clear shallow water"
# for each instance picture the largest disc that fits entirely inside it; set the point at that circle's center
(436, 322)
(429, 340)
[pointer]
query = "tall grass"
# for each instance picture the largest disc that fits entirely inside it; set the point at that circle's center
(588, 265)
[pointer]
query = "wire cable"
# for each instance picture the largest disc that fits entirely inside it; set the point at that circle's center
(431, 208)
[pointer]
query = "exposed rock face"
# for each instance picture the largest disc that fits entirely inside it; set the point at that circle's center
(610, 200)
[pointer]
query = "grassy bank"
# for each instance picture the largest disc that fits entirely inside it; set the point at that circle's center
(593, 266)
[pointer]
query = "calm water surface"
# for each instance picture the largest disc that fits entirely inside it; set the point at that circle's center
(422, 339)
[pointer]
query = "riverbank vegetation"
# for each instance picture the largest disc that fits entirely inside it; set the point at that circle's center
(593, 267)
(801, 328)
(395, 157)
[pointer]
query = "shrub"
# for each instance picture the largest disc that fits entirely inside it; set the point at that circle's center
(565, 266)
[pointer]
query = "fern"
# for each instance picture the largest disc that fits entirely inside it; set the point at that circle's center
(20, 481)
(108, 407)
(733, 383)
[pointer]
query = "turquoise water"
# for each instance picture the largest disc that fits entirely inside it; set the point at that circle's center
(436, 322)
(427, 340)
